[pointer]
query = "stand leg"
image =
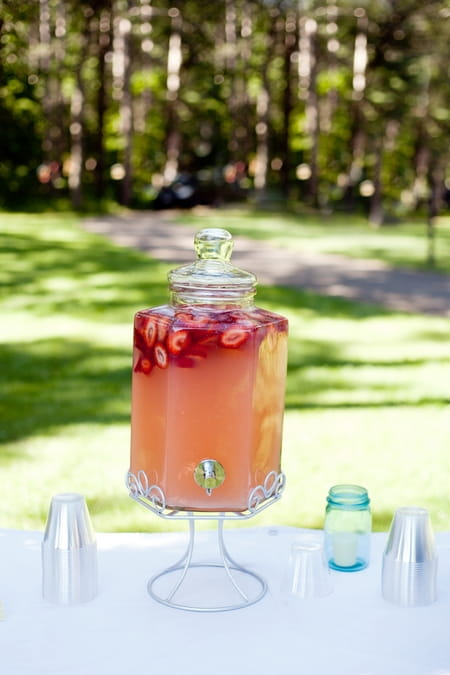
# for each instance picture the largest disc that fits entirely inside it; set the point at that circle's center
(225, 563)
(187, 557)
(226, 557)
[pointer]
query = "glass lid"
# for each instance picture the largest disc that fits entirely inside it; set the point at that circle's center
(212, 269)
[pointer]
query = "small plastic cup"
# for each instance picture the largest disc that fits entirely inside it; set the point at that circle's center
(69, 552)
(307, 575)
(410, 560)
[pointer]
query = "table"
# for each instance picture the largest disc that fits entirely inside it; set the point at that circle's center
(353, 631)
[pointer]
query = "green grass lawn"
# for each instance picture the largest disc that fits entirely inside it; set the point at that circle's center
(367, 398)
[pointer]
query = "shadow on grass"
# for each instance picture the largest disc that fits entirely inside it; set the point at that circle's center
(84, 275)
(56, 271)
(278, 297)
(325, 365)
(106, 278)
(321, 369)
(55, 382)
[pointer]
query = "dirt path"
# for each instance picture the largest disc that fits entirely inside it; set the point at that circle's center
(369, 281)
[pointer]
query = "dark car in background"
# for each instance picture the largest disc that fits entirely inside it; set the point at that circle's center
(185, 192)
(188, 190)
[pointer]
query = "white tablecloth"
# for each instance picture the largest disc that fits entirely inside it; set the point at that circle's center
(353, 631)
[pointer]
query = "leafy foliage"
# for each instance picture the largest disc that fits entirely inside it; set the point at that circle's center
(335, 104)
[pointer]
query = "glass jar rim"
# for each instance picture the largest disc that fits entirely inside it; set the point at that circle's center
(346, 495)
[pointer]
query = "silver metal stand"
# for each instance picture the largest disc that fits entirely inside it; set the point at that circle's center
(246, 594)
(205, 593)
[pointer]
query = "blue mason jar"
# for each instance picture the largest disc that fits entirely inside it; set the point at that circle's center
(347, 528)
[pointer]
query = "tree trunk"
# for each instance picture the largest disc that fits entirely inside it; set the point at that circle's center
(290, 40)
(104, 45)
(358, 133)
(421, 170)
(262, 147)
(122, 75)
(143, 103)
(238, 50)
(262, 123)
(51, 91)
(76, 137)
(173, 137)
(357, 145)
(173, 82)
(307, 84)
(230, 36)
(376, 213)
(435, 203)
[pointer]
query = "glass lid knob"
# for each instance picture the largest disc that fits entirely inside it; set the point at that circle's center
(213, 244)
(212, 267)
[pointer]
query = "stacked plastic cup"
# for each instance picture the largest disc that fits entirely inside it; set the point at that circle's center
(410, 559)
(69, 552)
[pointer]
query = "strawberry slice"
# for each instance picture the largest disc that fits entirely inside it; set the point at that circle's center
(149, 331)
(184, 318)
(177, 341)
(206, 338)
(233, 337)
(146, 365)
(143, 365)
(192, 321)
(161, 357)
(162, 329)
(139, 341)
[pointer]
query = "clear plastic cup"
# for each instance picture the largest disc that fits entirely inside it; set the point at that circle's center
(69, 552)
(307, 575)
(410, 560)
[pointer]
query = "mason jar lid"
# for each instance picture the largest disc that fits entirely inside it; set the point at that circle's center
(212, 269)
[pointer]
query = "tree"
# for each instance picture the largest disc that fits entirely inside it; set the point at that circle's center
(332, 102)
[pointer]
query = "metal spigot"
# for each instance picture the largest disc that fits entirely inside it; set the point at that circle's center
(209, 474)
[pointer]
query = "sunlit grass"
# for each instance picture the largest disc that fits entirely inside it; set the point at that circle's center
(367, 398)
(400, 453)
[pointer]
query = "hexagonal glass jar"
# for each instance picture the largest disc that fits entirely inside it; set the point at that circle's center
(208, 386)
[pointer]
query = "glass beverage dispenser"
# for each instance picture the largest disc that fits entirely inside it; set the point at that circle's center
(208, 386)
